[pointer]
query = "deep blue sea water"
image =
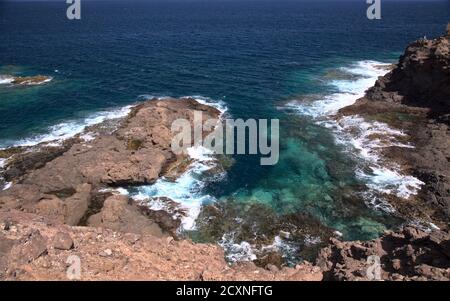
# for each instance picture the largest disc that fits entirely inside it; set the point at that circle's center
(253, 56)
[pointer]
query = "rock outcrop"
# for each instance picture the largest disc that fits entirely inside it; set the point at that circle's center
(138, 152)
(408, 255)
(415, 97)
(24, 80)
(35, 248)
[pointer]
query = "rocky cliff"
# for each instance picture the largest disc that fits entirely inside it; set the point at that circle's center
(415, 98)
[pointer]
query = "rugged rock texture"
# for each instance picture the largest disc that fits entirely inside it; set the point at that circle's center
(119, 214)
(31, 80)
(420, 79)
(35, 248)
(56, 188)
(59, 182)
(409, 255)
(415, 97)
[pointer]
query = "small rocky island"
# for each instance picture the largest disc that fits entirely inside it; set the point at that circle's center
(24, 80)
(59, 203)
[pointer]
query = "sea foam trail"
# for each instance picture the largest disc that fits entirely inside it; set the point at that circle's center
(187, 190)
(68, 129)
(357, 134)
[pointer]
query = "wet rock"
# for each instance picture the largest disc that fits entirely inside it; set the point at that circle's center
(285, 234)
(30, 80)
(396, 264)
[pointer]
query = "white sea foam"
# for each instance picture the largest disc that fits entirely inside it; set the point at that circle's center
(219, 105)
(236, 252)
(244, 251)
(2, 162)
(348, 90)
(68, 129)
(7, 185)
(363, 138)
(5, 79)
(185, 190)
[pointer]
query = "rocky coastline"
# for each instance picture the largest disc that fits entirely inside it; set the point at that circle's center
(60, 199)
(413, 97)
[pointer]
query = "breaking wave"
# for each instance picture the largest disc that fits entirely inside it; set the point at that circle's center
(362, 137)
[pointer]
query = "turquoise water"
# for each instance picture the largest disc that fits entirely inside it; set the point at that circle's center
(253, 57)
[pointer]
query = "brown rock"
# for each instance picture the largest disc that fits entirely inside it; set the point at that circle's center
(33, 247)
(119, 214)
(77, 205)
(396, 264)
(415, 255)
(62, 241)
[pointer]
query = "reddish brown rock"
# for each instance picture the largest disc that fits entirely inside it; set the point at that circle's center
(62, 241)
(111, 255)
(60, 182)
(119, 214)
(408, 255)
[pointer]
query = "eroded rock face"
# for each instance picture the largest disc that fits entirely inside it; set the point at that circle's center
(119, 214)
(420, 79)
(109, 255)
(60, 182)
(408, 255)
(415, 97)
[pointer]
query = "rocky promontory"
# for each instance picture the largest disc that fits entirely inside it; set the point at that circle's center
(415, 98)
(61, 202)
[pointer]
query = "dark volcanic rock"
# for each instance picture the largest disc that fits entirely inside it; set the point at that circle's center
(420, 79)
(415, 97)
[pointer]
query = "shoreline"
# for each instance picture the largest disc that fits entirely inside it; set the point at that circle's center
(64, 187)
(55, 193)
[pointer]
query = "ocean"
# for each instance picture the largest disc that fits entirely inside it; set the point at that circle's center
(292, 60)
